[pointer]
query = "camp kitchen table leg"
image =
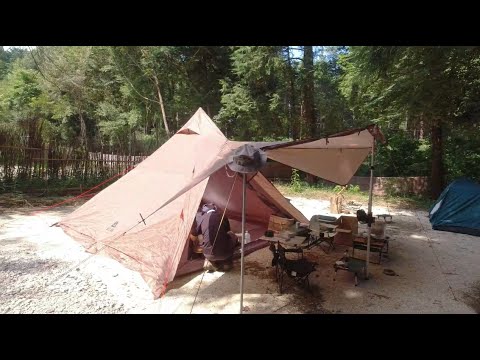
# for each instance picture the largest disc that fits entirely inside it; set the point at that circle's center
(325, 251)
(383, 251)
(312, 241)
(329, 240)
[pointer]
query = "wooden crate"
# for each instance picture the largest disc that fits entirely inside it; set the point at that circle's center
(347, 229)
(277, 223)
(349, 222)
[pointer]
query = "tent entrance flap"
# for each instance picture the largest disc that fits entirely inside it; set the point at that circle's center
(263, 198)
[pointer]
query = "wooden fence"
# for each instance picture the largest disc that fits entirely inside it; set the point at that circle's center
(38, 168)
(37, 165)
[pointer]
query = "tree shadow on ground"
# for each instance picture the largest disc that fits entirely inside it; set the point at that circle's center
(472, 297)
(180, 281)
(27, 266)
(260, 281)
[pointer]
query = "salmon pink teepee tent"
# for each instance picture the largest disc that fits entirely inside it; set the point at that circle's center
(143, 219)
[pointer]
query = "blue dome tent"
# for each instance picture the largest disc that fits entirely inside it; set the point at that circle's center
(458, 208)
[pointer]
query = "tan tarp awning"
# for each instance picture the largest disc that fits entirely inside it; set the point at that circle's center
(335, 158)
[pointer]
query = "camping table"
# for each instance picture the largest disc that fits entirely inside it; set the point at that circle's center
(295, 243)
(376, 245)
(328, 226)
(303, 242)
(326, 234)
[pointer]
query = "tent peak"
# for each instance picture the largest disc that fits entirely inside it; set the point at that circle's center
(200, 124)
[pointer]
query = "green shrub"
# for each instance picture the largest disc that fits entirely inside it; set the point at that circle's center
(295, 183)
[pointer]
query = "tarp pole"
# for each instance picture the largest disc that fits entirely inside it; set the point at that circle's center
(370, 217)
(244, 194)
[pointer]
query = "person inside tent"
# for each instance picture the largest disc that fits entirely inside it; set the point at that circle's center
(217, 240)
(195, 249)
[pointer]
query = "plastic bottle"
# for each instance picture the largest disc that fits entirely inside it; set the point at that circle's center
(247, 237)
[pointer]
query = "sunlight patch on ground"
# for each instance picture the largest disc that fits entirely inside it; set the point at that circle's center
(352, 294)
(420, 237)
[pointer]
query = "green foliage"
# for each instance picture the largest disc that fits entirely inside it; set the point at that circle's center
(415, 88)
(352, 189)
(295, 182)
(462, 153)
(8, 58)
(104, 98)
(331, 104)
(337, 188)
(403, 156)
(252, 105)
(23, 106)
(394, 85)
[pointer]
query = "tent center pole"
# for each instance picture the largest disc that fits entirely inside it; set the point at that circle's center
(244, 194)
(370, 216)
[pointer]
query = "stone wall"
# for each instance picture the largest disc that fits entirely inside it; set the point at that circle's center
(415, 185)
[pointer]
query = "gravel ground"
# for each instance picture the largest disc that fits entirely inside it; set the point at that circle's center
(24, 279)
(42, 270)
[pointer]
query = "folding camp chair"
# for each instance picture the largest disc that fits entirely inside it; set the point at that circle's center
(322, 230)
(299, 269)
(351, 265)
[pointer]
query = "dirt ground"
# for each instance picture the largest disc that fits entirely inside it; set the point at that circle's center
(42, 270)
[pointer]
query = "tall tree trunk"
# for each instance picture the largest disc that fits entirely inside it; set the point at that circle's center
(162, 108)
(134, 151)
(83, 135)
(436, 177)
(130, 142)
(410, 125)
(308, 100)
(146, 128)
(308, 92)
(83, 131)
(292, 106)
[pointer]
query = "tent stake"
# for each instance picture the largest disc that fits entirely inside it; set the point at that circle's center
(244, 194)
